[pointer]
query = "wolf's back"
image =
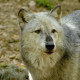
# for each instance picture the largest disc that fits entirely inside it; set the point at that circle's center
(72, 21)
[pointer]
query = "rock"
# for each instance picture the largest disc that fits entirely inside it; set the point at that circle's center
(12, 57)
(32, 4)
(2, 27)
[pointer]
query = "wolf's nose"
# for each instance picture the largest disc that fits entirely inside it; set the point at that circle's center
(50, 46)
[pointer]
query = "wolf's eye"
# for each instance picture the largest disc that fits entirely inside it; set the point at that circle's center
(37, 31)
(53, 31)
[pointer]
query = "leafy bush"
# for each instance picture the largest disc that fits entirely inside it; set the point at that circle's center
(46, 3)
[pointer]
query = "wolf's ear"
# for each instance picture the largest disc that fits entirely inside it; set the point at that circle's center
(56, 13)
(24, 17)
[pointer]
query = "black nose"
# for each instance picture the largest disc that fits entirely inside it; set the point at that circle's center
(50, 46)
(49, 43)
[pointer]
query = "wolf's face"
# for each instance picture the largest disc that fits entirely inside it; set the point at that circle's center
(42, 34)
(41, 38)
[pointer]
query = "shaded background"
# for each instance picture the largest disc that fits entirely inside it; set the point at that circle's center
(9, 28)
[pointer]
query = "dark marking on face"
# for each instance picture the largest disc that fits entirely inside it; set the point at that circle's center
(49, 44)
(49, 39)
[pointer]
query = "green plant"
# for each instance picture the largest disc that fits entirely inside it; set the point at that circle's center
(46, 3)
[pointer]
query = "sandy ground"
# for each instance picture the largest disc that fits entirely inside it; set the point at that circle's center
(9, 28)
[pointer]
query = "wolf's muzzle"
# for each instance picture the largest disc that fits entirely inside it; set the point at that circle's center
(50, 45)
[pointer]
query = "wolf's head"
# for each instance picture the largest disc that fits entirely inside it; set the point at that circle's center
(41, 35)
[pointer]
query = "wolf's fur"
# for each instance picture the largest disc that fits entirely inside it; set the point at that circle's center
(63, 63)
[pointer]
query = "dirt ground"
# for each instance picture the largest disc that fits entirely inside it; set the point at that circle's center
(9, 28)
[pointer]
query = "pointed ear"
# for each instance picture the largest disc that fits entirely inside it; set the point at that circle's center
(24, 17)
(56, 13)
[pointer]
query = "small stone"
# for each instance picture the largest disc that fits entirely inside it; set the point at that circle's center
(2, 27)
(32, 4)
(12, 57)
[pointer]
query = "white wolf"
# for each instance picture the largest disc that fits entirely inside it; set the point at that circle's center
(49, 50)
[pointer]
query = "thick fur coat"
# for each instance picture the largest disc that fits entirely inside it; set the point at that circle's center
(50, 50)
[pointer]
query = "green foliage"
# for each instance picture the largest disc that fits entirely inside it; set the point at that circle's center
(3, 65)
(46, 3)
(60, 0)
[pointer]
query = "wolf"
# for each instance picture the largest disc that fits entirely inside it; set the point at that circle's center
(50, 50)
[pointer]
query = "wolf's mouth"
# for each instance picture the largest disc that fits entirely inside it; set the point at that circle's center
(49, 51)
